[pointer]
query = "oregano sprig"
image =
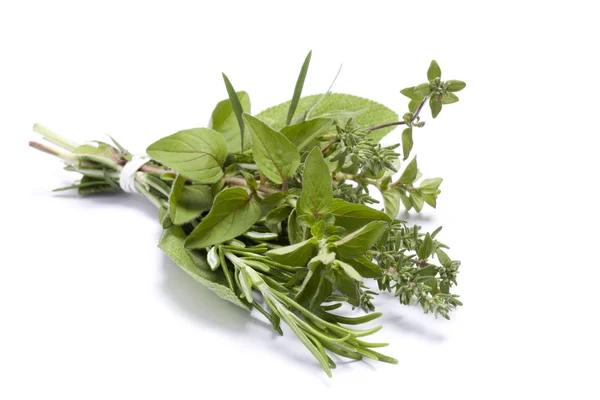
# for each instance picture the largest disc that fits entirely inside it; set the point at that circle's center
(284, 223)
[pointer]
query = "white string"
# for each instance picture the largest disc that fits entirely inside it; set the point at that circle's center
(127, 176)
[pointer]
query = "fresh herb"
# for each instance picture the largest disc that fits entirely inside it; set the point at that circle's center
(270, 211)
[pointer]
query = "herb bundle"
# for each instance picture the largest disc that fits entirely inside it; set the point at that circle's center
(273, 211)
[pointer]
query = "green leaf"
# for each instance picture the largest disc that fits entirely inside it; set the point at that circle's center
(434, 71)
(278, 214)
(451, 98)
(430, 199)
(364, 267)
(412, 94)
(417, 201)
(295, 232)
(352, 216)
(358, 242)
(391, 202)
(164, 219)
(347, 268)
(455, 86)
(310, 285)
(317, 193)
(407, 142)
(172, 243)
(443, 257)
(276, 157)
(197, 153)
(306, 132)
(430, 185)
(238, 110)
(186, 202)
(413, 105)
(410, 173)
(298, 88)
(232, 214)
(426, 248)
(224, 120)
(323, 291)
(436, 107)
(405, 201)
(374, 113)
(295, 255)
(424, 89)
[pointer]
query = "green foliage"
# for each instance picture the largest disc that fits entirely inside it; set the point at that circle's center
(273, 212)
(197, 154)
(224, 120)
(277, 158)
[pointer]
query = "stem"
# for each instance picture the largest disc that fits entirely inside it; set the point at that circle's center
(415, 115)
(412, 260)
(242, 182)
(55, 138)
(63, 155)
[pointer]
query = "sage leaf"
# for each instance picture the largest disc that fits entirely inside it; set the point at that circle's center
(236, 105)
(232, 214)
(187, 202)
(298, 88)
(358, 242)
(374, 113)
(304, 133)
(172, 244)
(410, 173)
(295, 255)
(276, 157)
(317, 193)
(351, 216)
(197, 153)
(224, 120)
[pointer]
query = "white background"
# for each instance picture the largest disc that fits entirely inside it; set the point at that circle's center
(91, 309)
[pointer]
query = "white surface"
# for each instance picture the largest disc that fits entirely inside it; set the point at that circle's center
(87, 312)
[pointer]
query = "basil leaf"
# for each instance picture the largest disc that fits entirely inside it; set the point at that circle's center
(317, 194)
(352, 216)
(224, 120)
(410, 173)
(276, 157)
(304, 133)
(172, 243)
(231, 215)
(298, 88)
(358, 242)
(188, 202)
(197, 153)
(374, 113)
(295, 255)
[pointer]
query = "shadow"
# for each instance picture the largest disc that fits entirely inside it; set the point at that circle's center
(412, 327)
(200, 304)
(118, 199)
(412, 217)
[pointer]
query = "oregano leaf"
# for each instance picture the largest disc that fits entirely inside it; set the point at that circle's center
(317, 193)
(197, 153)
(232, 214)
(187, 202)
(274, 154)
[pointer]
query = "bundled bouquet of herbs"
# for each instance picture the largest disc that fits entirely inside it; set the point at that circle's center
(273, 211)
